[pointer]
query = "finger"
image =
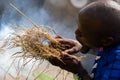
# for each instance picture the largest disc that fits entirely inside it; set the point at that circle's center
(66, 41)
(58, 37)
(55, 61)
(73, 50)
(69, 57)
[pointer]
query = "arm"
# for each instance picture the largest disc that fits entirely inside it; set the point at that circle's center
(75, 46)
(83, 75)
(70, 62)
(86, 77)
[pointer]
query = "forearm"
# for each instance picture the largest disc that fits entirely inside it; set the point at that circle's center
(86, 77)
(83, 75)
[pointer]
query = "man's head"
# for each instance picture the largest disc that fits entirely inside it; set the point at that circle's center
(99, 24)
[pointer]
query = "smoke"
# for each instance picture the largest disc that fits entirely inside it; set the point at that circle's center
(9, 15)
(31, 8)
(45, 12)
(58, 14)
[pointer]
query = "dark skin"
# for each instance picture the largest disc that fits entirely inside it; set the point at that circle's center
(98, 26)
(70, 62)
(68, 56)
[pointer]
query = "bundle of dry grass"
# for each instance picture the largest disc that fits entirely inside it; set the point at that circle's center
(36, 43)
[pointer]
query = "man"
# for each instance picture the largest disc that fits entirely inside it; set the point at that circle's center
(98, 27)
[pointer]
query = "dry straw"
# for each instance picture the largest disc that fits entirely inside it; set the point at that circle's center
(36, 42)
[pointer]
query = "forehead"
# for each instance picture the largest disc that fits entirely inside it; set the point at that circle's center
(87, 23)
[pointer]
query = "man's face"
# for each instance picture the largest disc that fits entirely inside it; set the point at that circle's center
(87, 32)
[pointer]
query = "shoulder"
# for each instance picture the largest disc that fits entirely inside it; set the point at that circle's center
(115, 53)
(112, 65)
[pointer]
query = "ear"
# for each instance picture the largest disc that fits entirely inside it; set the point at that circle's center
(107, 41)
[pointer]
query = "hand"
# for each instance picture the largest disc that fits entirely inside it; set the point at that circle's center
(68, 62)
(75, 46)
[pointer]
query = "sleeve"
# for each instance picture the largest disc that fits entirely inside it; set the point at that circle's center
(112, 71)
(115, 69)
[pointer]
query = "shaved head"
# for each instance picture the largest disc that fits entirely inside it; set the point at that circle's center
(107, 12)
(100, 19)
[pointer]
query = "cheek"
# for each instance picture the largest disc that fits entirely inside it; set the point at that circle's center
(93, 43)
(85, 41)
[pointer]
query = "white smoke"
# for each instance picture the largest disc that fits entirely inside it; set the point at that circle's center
(5, 31)
(59, 14)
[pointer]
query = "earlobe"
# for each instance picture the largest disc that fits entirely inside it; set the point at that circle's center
(107, 41)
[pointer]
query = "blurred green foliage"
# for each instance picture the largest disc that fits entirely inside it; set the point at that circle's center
(43, 76)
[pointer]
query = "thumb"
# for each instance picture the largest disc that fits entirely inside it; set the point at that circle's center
(72, 50)
(58, 37)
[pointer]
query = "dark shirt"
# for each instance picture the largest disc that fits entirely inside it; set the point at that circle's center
(107, 64)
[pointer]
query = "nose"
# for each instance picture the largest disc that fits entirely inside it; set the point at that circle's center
(78, 33)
